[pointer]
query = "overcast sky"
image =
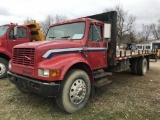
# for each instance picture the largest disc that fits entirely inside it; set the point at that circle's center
(16, 11)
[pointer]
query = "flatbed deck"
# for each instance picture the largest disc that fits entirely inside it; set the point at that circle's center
(125, 54)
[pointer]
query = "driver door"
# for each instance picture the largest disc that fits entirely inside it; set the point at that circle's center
(97, 55)
(22, 37)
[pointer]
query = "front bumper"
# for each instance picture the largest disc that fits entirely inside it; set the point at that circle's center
(34, 85)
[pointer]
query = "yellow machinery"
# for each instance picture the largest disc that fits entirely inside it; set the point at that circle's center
(36, 34)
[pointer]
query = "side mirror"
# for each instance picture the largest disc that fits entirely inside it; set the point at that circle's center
(15, 31)
(107, 32)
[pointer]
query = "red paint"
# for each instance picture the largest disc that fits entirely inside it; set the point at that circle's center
(7, 44)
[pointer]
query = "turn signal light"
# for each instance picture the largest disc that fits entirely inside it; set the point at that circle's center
(54, 73)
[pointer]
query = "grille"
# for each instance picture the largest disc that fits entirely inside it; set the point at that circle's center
(24, 56)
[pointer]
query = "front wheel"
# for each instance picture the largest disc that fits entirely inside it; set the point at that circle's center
(74, 92)
(3, 67)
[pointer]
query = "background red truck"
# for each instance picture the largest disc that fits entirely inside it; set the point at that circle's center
(26, 33)
(74, 59)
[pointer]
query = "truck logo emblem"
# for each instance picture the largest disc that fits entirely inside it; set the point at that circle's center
(27, 72)
(28, 58)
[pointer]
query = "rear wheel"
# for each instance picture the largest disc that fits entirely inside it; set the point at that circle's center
(142, 66)
(3, 67)
(134, 66)
(74, 92)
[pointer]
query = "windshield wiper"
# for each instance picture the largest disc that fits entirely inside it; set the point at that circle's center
(66, 37)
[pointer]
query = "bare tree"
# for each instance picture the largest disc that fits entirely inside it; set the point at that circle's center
(46, 23)
(59, 18)
(146, 31)
(125, 22)
(51, 20)
(28, 19)
(155, 30)
(133, 37)
(144, 34)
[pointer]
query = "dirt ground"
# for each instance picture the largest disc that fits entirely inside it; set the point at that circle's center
(155, 64)
(128, 97)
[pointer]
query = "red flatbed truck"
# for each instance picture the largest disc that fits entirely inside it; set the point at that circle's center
(74, 59)
(26, 33)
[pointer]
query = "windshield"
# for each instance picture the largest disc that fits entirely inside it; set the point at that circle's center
(66, 31)
(3, 30)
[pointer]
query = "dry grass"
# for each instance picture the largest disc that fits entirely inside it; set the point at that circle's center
(128, 97)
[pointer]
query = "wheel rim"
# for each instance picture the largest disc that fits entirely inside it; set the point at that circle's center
(77, 91)
(145, 67)
(2, 69)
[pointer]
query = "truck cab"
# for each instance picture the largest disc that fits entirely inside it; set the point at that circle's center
(87, 34)
(67, 43)
(9, 40)
(156, 45)
(11, 35)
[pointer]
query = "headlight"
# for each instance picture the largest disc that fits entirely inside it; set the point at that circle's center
(48, 73)
(40, 72)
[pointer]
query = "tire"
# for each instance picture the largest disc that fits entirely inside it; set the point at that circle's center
(3, 68)
(142, 66)
(148, 63)
(22, 90)
(134, 66)
(74, 92)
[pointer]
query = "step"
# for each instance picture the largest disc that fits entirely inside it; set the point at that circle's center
(98, 72)
(101, 82)
(101, 74)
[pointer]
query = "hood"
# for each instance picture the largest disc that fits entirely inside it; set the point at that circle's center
(43, 46)
(56, 44)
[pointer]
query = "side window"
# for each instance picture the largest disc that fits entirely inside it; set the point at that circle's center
(95, 33)
(147, 47)
(22, 33)
(11, 34)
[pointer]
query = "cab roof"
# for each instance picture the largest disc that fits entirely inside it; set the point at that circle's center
(77, 20)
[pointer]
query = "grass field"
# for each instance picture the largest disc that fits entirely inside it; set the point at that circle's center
(128, 97)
